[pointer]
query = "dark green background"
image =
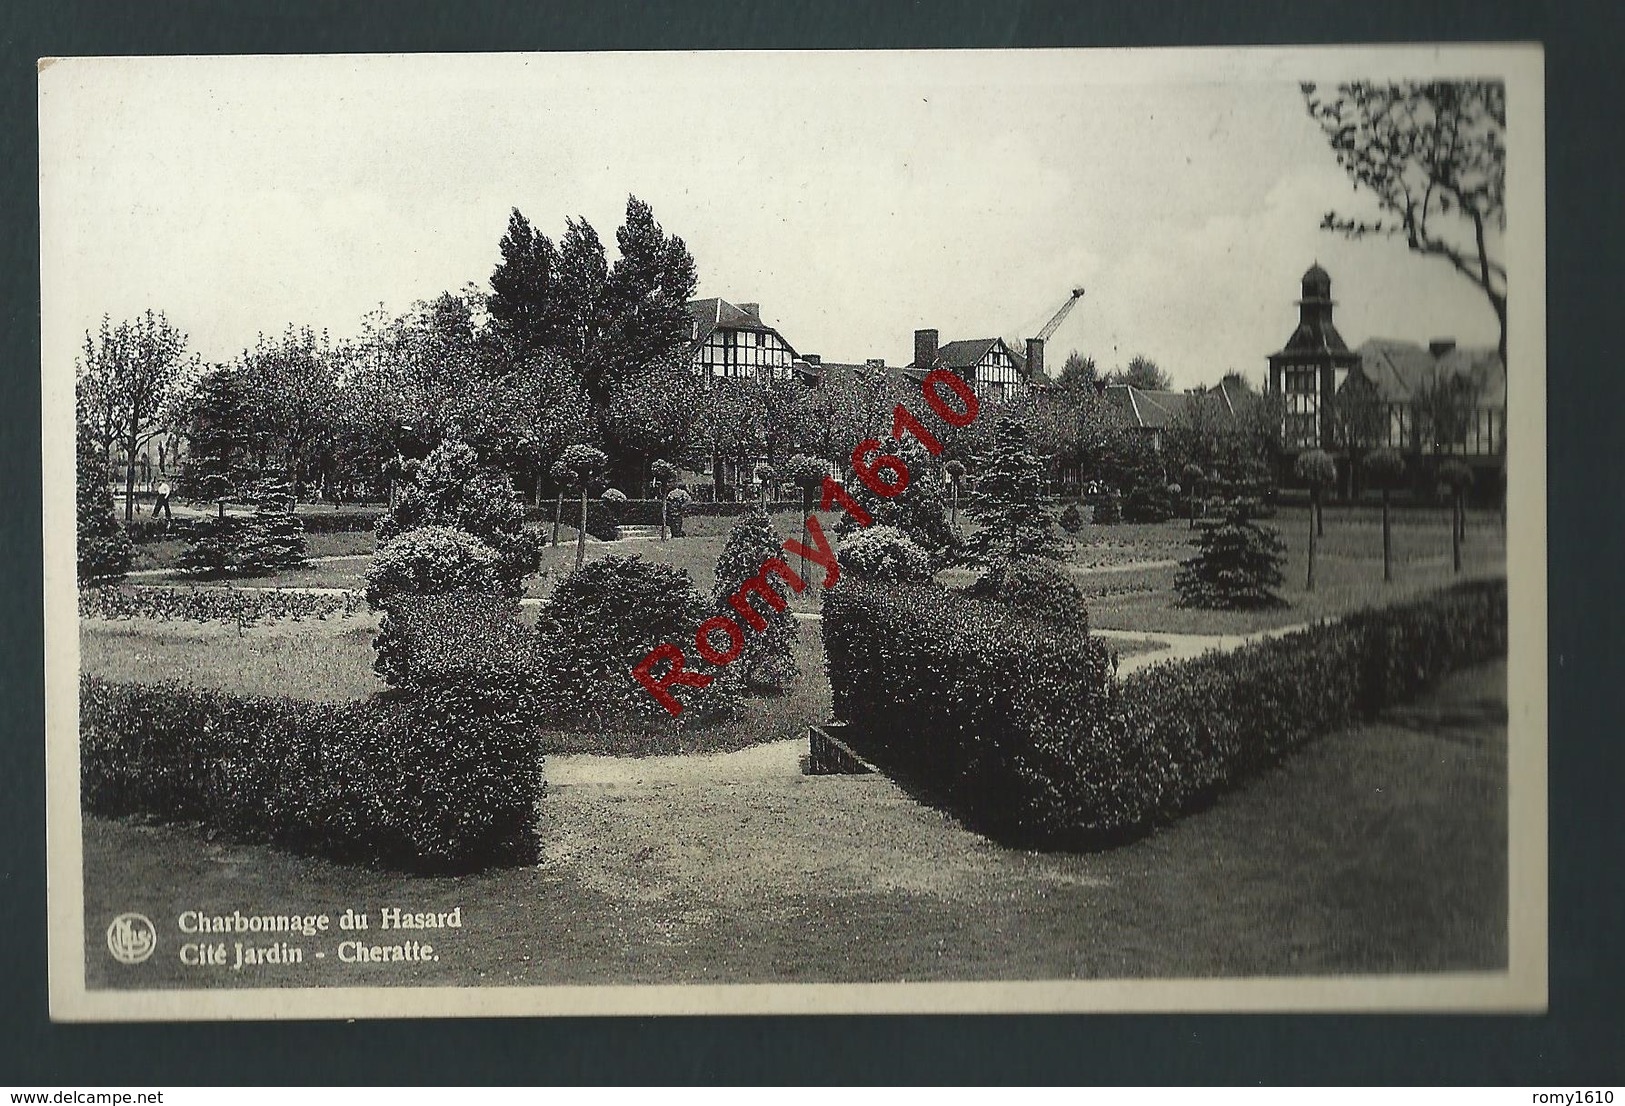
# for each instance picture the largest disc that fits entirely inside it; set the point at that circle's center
(1580, 1043)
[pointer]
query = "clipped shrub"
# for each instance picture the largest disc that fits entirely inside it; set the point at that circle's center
(919, 511)
(1021, 732)
(215, 604)
(441, 782)
(1034, 588)
(425, 641)
(1237, 567)
(1149, 503)
(450, 488)
(602, 620)
(220, 546)
(884, 553)
(277, 536)
(104, 547)
(613, 497)
(431, 560)
(768, 658)
(1109, 511)
(1072, 519)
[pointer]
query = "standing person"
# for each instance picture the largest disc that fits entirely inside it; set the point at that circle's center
(162, 502)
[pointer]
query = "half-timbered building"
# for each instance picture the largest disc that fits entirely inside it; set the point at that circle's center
(994, 371)
(731, 340)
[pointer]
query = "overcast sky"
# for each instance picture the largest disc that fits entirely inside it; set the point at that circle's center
(855, 196)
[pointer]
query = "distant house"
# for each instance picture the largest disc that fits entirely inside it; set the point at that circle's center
(1441, 399)
(1433, 400)
(729, 340)
(1155, 414)
(992, 368)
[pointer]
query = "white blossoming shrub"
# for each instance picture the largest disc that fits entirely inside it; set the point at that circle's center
(884, 553)
(432, 560)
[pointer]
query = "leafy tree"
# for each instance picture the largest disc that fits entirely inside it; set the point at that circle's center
(562, 478)
(1433, 156)
(1385, 469)
(527, 310)
(1078, 372)
(1237, 567)
(1009, 503)
(1456, 479)
(661, 413)
(768, 659)
(1360, 418)
(609, 324)
(1143, 373)
(293, 384)
(104, 547)
(581, 463)
(451, 488)
(1316, 469)
(129, 382)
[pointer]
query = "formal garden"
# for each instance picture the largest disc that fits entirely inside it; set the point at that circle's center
(438, 692)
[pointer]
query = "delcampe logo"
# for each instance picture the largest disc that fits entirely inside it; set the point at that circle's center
(131, 938)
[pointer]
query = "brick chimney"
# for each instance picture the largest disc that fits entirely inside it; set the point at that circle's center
(754, 310)
(1441, 346)
(1035, 359)
(925, 348)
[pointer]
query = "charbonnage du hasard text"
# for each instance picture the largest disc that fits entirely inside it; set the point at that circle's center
(239, 941)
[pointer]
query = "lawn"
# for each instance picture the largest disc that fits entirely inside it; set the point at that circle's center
(1377, 849)
(167, 554)
(331, 660)
(1348, 570)
(323, 659)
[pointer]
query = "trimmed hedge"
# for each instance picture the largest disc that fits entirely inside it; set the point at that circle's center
(969, 701)
(1023, 735)
(646, 512)
(225, 604)
(443, 782)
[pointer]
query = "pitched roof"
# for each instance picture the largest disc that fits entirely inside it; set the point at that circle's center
(1400, 370)
(1313, 338)
(1159, 410)
(715, 314)
(968, 352)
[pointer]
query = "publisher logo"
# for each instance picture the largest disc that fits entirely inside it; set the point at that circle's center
(131, 938)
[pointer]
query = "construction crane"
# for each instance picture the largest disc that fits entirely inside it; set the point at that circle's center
(1060, 316)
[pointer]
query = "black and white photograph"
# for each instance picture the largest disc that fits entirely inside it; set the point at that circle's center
(781, 532)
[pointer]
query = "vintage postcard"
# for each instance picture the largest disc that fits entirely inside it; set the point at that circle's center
(763, 532)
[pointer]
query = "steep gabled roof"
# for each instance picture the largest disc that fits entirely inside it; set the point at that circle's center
(968, 352)
(1401, 370)
(718, 314)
